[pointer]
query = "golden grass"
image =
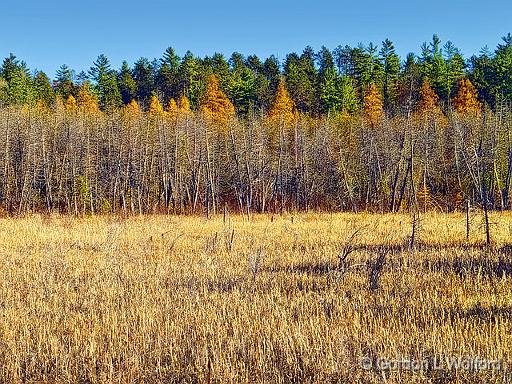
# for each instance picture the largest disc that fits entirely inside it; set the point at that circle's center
(182, 299)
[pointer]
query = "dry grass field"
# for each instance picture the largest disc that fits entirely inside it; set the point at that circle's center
(272, 299)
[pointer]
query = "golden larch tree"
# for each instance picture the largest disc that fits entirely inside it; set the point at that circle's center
(172, 109)
(86, 101)
(466, 101)
(216, 106)
(132, 109)
(184, 106)
(283, 108)
(428, 104)
(373, 107)
(70, 103)
(155, 107)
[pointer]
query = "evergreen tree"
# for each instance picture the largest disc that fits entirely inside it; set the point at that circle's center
(391, 71)
(481, 74)
(502, 69)
(190, 78)
(43, 90)
(64, 84)
(144, 78)
(329, 91)
(18, 79)
(349, 102)
(127, 84)
(242, 90)
(454, 69)
(105, 83)
(171, 60)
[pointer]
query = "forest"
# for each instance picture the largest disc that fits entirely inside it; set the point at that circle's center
(348, 129)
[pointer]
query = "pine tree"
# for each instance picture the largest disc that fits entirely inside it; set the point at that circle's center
(373, 106)
(329, 91)
(217, 107)
(349, 102)
(43, 90)
(502, 70)
(19, 81)
(242, 89)
(189, 75)
(105, 83)
(466, 101)
(126, 83)
(64, 82)
(391, 71)
(145, 80)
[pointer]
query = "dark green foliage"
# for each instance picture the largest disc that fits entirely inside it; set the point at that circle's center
(391, 71)
(318, 82)
(64, 84)
(42, 89)
(127, 84)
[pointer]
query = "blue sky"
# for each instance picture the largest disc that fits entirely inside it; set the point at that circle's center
(49, 33)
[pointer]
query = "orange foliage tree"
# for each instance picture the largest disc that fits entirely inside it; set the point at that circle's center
(132, 109)
(70, 103)
(373, 107)
(155, 107)
(428, 104)
(86, 100)
(184, 106)
(216, 106)
(466, 101)
(172, 109)
(283, 108)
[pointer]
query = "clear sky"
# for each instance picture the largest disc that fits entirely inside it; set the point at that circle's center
(49, 33)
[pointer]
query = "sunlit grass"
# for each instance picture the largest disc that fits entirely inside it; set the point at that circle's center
(167, 299)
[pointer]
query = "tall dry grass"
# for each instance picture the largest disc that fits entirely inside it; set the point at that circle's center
(182, 299)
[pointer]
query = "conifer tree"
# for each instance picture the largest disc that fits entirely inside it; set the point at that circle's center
(132, 109)
(64, 82)
(329, 91)
(428, 104)
(70, 104)
(391, 71)
(86, 100)
(127, 85)
(172, 109)
(283, 109)
(155, 107)
(43, 90)
(184, 106)
(466, 101)
(217, 106)
(373, 106)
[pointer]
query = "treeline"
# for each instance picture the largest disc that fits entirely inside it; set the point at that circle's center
(353, 129)
(319, 83)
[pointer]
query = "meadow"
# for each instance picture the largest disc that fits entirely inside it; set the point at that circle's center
(292, 298)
